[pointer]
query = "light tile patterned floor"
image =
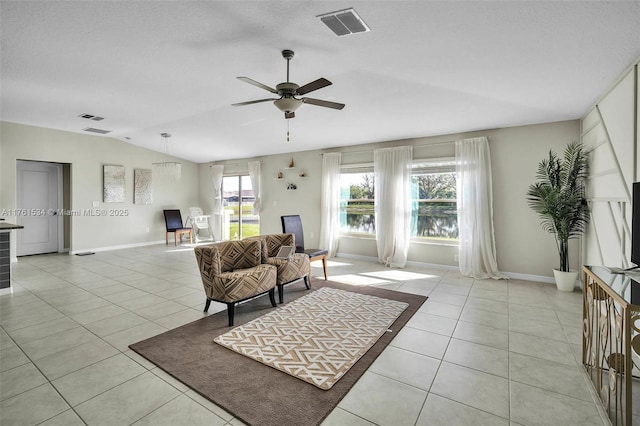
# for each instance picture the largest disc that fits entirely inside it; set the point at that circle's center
(477, 353)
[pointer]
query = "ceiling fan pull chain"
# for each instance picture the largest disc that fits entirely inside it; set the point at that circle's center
(287, 130)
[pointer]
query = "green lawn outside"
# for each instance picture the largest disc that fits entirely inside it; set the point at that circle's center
(248, 230)
(247, 209)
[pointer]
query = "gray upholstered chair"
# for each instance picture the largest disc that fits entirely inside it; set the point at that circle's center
(232, 271)
(294, 268)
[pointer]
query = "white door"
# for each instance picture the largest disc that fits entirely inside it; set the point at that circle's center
(38, 201)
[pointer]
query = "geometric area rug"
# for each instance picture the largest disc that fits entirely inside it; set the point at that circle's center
(318, 337)
(251, 391)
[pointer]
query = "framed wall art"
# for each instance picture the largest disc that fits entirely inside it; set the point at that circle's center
(113, 182)
(142, 186)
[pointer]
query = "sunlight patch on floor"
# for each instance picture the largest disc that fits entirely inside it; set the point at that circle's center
(330, 264)
(179, 249)
(399, 275)
(358, 280)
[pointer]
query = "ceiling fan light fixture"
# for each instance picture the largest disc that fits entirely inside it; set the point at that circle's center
(167, 170)
(287, 104)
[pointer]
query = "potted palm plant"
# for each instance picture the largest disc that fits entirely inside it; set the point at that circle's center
(559, 198)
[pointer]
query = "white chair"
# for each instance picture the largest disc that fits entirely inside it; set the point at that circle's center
(201, 226)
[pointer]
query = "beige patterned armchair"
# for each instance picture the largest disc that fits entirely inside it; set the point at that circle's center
(232, 271)
(289, 270)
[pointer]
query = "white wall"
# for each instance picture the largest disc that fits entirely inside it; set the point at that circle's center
(609, 130)
(86, 155)
(522, 246)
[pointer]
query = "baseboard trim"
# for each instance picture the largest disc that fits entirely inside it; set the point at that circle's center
(529, 277)
(123, 246)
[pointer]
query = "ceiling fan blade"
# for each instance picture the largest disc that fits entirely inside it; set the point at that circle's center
(254, 102)
(289, 115)
(314, 85)
(320, 102)
(258, 84)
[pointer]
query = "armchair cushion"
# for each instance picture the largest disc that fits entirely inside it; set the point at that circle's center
(239, 255)
(243, 283)
(296, 267)
(232, 270)
(271, 243)
(288, 270)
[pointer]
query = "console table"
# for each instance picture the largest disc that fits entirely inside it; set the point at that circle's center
(611, 340)
(5, 252)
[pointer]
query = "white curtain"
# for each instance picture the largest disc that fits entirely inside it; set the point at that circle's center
(392, 171)
(330, 203)
(475, 210)
(217, 220)
(254, 175)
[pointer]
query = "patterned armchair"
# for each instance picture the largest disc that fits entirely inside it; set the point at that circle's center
(289, 270)
(232, 271)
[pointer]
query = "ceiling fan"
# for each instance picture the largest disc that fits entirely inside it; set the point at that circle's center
(289, 92)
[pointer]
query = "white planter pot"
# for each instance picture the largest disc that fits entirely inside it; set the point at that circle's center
(565, 281)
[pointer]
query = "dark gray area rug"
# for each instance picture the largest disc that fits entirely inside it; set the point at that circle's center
(253, 392)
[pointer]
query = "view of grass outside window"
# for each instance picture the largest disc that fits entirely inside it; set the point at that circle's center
(238, 197)
(434, 209)
(357, 214)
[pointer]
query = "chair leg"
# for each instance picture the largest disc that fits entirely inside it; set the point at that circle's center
(272, 295)
(324, 266)
(307, 282)
(206, 306)
(166, 238)
(281, 293)
(230, 311)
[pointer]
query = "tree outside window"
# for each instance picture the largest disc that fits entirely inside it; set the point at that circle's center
(434, 213)
(434, 208)
(357, 214)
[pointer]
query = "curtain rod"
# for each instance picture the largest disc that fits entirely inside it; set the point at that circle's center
(373, 149)
(233, 164)
(415, 146)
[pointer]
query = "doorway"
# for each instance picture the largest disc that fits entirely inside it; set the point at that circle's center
(238, 197)
(40, 209)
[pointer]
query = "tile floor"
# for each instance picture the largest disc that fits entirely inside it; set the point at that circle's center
(477, 353)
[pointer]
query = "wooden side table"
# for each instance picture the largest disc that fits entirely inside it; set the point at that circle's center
(179, 233)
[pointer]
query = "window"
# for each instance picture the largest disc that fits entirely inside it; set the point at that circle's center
(433, 187)
(238, 198)
(357, 214)
(434, 209)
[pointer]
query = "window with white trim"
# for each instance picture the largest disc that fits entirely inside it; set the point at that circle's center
(434, 210)
(357, 210)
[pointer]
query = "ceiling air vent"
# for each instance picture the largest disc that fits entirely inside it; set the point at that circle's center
(91, 117)
(93, 130)
(344, 22)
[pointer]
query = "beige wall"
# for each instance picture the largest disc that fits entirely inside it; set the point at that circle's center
(86, 155)
(523, 248)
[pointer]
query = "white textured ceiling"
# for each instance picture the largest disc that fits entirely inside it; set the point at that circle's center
(426, 68)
